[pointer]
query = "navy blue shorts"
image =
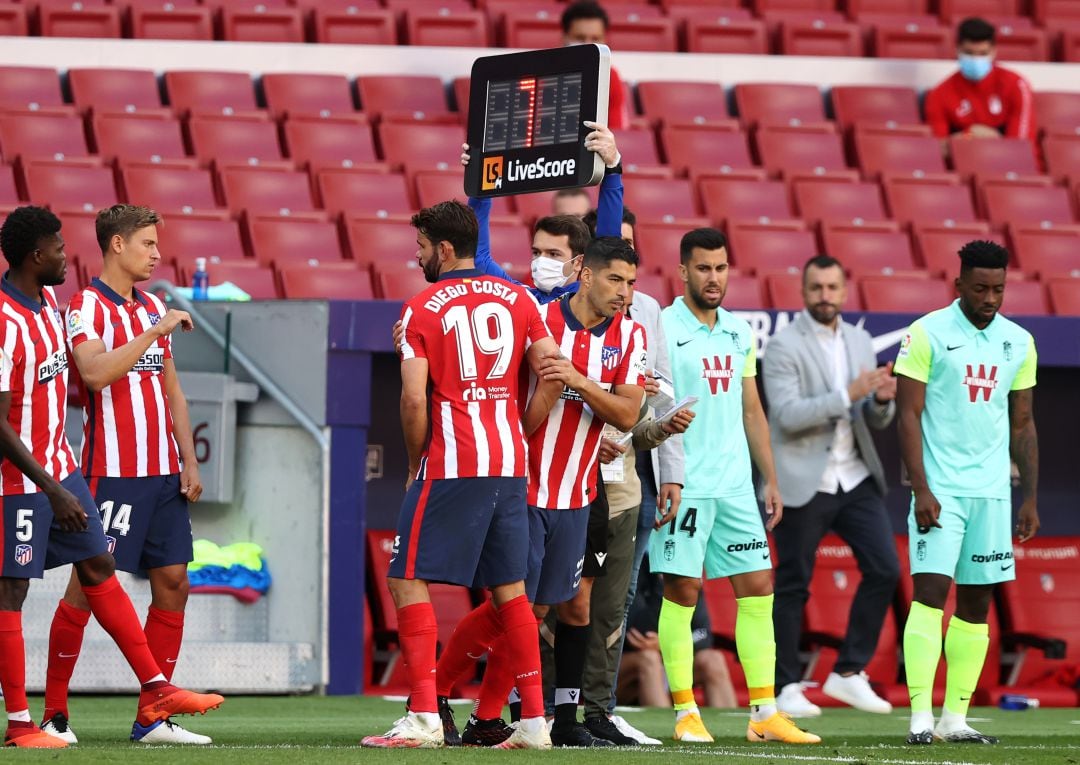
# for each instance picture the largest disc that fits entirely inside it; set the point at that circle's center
(556, 554)
(32, 542)
(467, 531)
(145, 520)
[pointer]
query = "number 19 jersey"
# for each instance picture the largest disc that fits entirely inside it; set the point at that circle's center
(474, 331)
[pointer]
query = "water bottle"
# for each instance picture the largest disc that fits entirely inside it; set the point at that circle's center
(200, 280)
(1016, 703)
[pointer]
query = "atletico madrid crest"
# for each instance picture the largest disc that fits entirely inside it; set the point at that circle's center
(23, 554)
(610, 356)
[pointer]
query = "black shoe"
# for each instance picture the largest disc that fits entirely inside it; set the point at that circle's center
(485, 732)
(603, 728)
(969, 736)
(575, 734)
(920, 738)
(449, 727)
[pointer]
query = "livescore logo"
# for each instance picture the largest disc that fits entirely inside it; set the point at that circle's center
(496, 170)
(493, 174)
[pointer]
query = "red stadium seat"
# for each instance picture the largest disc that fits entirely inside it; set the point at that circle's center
(914, 199)
(677, 102)
(785, 150)
(1026, 299)
(62, 186)
(657, 244)
(329, 142)
(1004, 156)
(1016, 44)
(294, 95)
(261, 190)
(285, 242)
(1062, 156)
(959, 9)
(400, 281)
(366, 193)
(80, 239)
(1046, 11)
(433, 186)
(1064, 296)
(853, 104)
(260, 23)
(744, 293)
(210, 91)
(64, 18)
(654, 199)
(9, 194)
(510, 241)
(169, 189)
(726, 199)
(41, 135)
(906, 40)
(869, 249)
(1047, 251)
(138, 136)
(420, 144)
(257, 281)
(643, 34)
(189, 237)
(816, 38)
(124, 90)
(13, 21)
(172, 21)
(234, 139)
(361, 27)
(326, 281)
(29, 88)
(461, 29)
(778, 104)
(1006, 203)
(376, 240)
(838, 201)
(766, 248)
(881, 153)
(656, 286)
(939, 244)
(403, 97)
(785, 290)
(889, 294)
(713, 146)
(638, 147)
(1052, 110)
(726, 36)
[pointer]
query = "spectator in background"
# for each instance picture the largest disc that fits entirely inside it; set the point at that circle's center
(641, 675)
(629, 220)
(573, 201)
(825, 392)
(587, 22)
(981, 100)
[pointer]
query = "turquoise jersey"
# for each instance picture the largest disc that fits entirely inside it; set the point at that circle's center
(711, 365)
(968, 373)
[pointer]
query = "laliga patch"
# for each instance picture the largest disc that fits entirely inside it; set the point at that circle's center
(905, 346)
(74, 322)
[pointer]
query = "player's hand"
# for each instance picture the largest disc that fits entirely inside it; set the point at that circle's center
(886, 389)
(927, 511)
(602, 141)
(774, 506)
(643, 641)
(557, 368)
(1028, 522)
(982, 131)
(652, 385)
(190, 483)
(174, 318)
(679, 422)
(610, 451)
(67, 510)
(399, 335)
(667, 504)
(465, 156)
(866, 383)
(410, 478)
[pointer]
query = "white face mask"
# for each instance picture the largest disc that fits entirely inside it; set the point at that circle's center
(547, 273)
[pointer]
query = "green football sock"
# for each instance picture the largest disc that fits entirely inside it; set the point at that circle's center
(922, 651)
(677, 651)
(756, 645)
(965, 653)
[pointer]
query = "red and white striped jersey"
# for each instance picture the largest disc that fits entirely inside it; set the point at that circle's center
(33, 369)
(474, 331)
(563, 450)
(128, 426)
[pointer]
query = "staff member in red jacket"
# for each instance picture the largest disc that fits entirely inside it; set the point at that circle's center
(587, 22)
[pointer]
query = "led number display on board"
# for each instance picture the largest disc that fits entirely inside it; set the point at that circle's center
(526, 115)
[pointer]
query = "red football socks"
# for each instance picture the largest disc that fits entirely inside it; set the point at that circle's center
(13, 661)
(419, 634)
(498, 679)
(65, 642)
(520, 642)
(164, 634)
(114, 612)
(471, 639)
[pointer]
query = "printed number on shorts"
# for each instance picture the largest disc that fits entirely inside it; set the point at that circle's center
(121, 522)
(489, 329)
(24, 525)
(689, 523)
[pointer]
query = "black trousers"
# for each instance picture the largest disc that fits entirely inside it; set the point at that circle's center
(860, 518)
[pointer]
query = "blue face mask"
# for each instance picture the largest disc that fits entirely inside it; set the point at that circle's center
(975, 68)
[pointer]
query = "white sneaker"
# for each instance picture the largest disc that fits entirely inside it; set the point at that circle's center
(855, 691)
(58, 726)
(792, 701)
(528, 734)
(630, 731)
(411, 731)
(167, 732)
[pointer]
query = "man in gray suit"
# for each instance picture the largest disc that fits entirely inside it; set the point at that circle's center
(825, 392)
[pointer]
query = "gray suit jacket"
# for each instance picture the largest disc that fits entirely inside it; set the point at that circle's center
(804, 406)
(668, 461)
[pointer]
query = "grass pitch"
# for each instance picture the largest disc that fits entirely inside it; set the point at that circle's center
(310, 729)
